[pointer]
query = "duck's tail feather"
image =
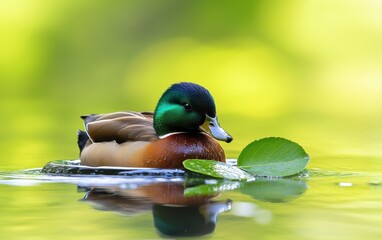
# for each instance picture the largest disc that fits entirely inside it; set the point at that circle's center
(82, 139)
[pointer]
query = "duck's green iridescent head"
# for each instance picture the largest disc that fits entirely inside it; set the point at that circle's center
(185, 107)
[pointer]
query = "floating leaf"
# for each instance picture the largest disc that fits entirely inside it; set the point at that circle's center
(273, 157)
(216, 169)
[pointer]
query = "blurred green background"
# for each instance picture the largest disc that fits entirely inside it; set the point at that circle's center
(310, 71)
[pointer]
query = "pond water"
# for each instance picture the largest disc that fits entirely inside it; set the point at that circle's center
(328, 201)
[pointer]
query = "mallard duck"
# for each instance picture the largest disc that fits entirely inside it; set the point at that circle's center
(183, 126)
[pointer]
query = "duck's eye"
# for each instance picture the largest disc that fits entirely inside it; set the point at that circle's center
(187, 107)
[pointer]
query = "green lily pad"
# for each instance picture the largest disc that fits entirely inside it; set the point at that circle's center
(273, 157)
(216, 169)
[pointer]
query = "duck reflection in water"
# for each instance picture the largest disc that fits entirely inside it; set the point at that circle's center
(173, 213)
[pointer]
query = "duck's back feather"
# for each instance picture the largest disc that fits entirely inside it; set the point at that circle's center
(120, 127)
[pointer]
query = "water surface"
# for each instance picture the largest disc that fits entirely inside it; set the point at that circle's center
(328, 202)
